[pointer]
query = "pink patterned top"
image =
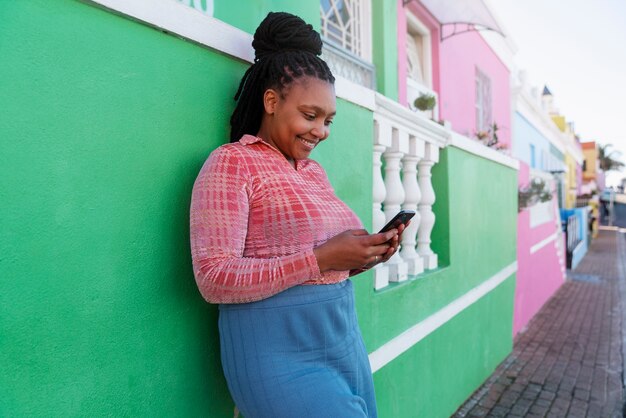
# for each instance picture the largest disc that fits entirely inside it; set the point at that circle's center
(255, 221)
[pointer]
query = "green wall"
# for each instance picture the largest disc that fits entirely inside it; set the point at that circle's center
(385, 46)
(105, 124)
(474, 242)
(248, 16)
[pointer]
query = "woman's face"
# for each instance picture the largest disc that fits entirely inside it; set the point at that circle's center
(299, 117)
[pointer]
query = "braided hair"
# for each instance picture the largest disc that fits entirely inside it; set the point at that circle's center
(286, 48)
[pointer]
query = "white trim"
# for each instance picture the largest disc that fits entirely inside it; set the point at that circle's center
(194, 25)
(543, 243)
(367, 35)
(187, 22)
(403, 342)
(541, 213)
(418, 125)
(476, 148)
(355, 93)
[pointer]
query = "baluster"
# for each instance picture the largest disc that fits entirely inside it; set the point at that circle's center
(381, 271)
(398, 269)
(412, 198)
(382, 140)
(425, 206)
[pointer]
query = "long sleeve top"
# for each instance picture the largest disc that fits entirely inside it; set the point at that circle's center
(255, 221)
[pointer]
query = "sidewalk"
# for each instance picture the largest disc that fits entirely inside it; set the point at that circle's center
(569, 362)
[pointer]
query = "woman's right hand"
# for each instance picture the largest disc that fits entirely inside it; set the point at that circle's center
(353, 249)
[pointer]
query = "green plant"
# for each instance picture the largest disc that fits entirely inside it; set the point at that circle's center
(609, 159)
(425, 102)
(490, 136)
(537, 191)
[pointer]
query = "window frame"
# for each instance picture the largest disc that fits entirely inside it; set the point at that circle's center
(362, 35)
(415, 28)
(483, 101)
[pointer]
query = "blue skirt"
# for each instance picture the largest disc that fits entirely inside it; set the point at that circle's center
(297, 354)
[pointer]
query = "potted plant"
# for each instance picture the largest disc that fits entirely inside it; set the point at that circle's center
(536, 192)
(425, 102)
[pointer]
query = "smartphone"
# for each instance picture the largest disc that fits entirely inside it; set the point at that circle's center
(401, 218)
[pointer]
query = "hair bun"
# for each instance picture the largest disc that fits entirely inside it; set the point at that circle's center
(281, 31)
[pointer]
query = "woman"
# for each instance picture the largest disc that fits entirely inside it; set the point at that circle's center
(273, 244)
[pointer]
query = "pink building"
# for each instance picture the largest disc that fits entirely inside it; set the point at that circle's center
(470, 81)
(469, 72)
(540, 255)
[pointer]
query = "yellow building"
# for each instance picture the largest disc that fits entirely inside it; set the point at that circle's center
(591, 166)
(573, 161)
(571, 182)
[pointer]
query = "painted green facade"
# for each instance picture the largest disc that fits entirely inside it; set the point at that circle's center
(106, 122)
(385, 46)
(434, 377)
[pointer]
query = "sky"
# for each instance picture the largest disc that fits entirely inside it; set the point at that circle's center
(578, 49)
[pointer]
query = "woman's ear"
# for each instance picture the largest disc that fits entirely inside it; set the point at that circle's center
(270, 99)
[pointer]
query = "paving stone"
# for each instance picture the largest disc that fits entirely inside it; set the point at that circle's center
(568, 362)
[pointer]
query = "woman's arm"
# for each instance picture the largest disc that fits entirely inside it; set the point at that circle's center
(218, 229)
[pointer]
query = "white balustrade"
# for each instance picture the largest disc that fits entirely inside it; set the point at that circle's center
(381, 271)
(398, 268)
(382, 141)
(425, 207)
(409, 145)
(412, 197)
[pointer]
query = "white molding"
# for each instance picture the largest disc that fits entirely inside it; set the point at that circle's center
(355, 93)
(415, 123)
(543, 243)
(476, 148)
(187, 22)
(403, 342)
(196, 26)
(540, 213)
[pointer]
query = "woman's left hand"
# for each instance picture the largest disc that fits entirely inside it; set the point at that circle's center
(395, 243)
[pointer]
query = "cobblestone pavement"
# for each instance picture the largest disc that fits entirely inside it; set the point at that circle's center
(569, 361)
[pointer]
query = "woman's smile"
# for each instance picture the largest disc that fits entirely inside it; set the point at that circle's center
(310, 144)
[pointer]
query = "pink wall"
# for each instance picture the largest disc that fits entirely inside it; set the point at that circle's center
(459, 56)
(539, 275)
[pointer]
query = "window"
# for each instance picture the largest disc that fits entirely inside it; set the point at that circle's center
(344, 23)
(533, 163)
(418, 52)
(484, 117)
(346, 31)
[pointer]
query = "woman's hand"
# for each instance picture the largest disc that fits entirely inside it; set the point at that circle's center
(394, 244)
(355, 249)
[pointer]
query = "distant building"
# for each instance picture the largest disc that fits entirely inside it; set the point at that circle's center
(593, 175)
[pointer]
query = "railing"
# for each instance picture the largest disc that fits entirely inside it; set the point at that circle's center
(408, 144)
(582, 202)
(347, 65)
